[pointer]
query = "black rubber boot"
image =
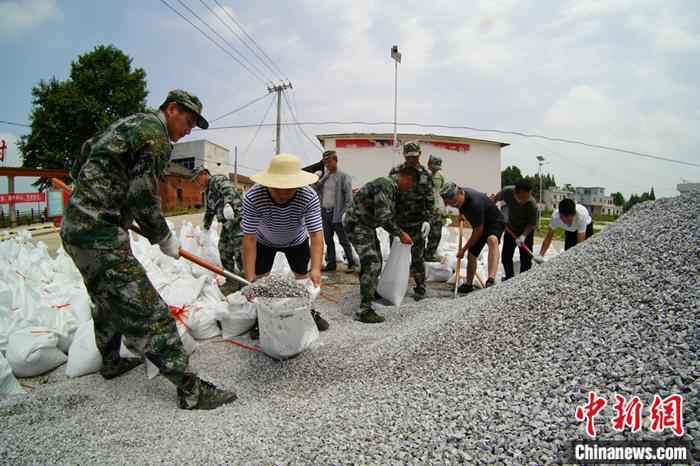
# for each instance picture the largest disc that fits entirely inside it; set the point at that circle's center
(321, 323)
(465, 288)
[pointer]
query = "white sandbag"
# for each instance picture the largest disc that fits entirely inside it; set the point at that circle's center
(384, 243)
(202, 319)
(393, 283)
(239, 316)
(286, 327)
(84, 357)
(8, 382)
(183, 291)
(437, 272)
(33, 350)
(280, 265)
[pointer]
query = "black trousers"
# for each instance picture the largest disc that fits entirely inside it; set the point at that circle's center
(509, 247)
(571, 237)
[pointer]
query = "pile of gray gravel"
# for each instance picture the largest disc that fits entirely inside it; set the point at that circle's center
(491, 378)
(276, 285)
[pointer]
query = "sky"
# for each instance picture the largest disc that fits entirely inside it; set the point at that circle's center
(621, 73)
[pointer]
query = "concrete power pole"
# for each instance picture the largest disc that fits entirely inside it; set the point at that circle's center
(235, 167)
(279, 88)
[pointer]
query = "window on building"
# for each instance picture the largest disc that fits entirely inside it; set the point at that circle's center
(187, 162)
(179, 196)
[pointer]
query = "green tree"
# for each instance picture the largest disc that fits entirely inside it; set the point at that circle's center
(510, 176)
(102, 88)
(652, 196)
(618, 198)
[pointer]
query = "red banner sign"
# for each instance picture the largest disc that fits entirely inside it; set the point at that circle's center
(18, 198)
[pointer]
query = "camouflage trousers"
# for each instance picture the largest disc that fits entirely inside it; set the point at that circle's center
(436, 223)
(127, 305)
(230, 248)
(367, 246)
(417, 253)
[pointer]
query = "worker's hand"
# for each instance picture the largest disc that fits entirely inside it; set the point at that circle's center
(170, 246)
(425, 229)
(315, 277)
(228, 212)
(492, 196)
(539, 259)
(405, 238)
(520, 240)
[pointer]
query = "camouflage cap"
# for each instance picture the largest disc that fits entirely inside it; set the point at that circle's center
(330, 153)
(189, 101)
(198, 171)
(435, 162)
(411, 149)
(449, 191)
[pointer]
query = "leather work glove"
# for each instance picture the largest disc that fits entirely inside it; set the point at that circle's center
(228, 212)
(425, 229)
(520, 240)
(170, 246)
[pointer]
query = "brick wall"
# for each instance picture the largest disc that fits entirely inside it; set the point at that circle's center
(190, 194)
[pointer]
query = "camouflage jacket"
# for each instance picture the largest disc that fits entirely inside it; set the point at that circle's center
(220, 192)
(415, 206)
(374, 205)
(119, 183)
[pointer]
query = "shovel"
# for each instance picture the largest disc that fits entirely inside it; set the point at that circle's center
(535, 258)
(187, 255)
(459, 259)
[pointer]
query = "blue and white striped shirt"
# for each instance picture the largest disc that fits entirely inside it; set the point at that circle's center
(281, 225)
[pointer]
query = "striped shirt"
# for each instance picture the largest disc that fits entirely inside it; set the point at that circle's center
(281, 225)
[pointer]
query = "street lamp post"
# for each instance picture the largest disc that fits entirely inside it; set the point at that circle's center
(540, 204)
(396, 55)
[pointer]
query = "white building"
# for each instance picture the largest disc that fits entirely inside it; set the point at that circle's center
(553, 196)
(195, 154)
(688, 187)
(472, 163)
(593, 198)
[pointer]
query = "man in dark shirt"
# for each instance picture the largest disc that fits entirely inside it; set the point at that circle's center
(487, 227)
(522, 221)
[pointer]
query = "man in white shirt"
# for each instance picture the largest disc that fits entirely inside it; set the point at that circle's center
(576, 222)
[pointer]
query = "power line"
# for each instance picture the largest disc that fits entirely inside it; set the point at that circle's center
(213, 41)
(240, 108)
(422, 125)
(294, 117)
(12, 123)
(234, 33)
(238, 36)
(484, 130)
(255, 135)
(234, 49)
(253, 41)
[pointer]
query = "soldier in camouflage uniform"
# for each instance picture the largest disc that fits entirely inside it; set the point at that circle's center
(437, 220)
(117, 184)
(374, 205)
(415, 208)
(224, 202)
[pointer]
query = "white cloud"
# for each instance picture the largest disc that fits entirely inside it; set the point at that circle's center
(19, 17)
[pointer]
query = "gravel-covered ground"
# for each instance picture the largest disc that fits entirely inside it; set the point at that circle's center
(491, 378)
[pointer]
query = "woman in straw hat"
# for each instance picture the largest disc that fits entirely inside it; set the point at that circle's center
(282, 213)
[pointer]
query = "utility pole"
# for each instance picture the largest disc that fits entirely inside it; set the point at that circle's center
(396, 55)
(235, 167)
(279, 88)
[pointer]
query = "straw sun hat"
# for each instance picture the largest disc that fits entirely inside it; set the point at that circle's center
(284, 172)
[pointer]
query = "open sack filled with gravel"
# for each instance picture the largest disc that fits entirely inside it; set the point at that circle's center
(283, 308)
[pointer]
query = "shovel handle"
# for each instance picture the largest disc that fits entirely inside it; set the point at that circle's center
(187, 255)
(524, 246)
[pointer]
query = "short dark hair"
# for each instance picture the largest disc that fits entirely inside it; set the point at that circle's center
(180, 108)
(567, 207)
(523, 185)
(409, 171)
